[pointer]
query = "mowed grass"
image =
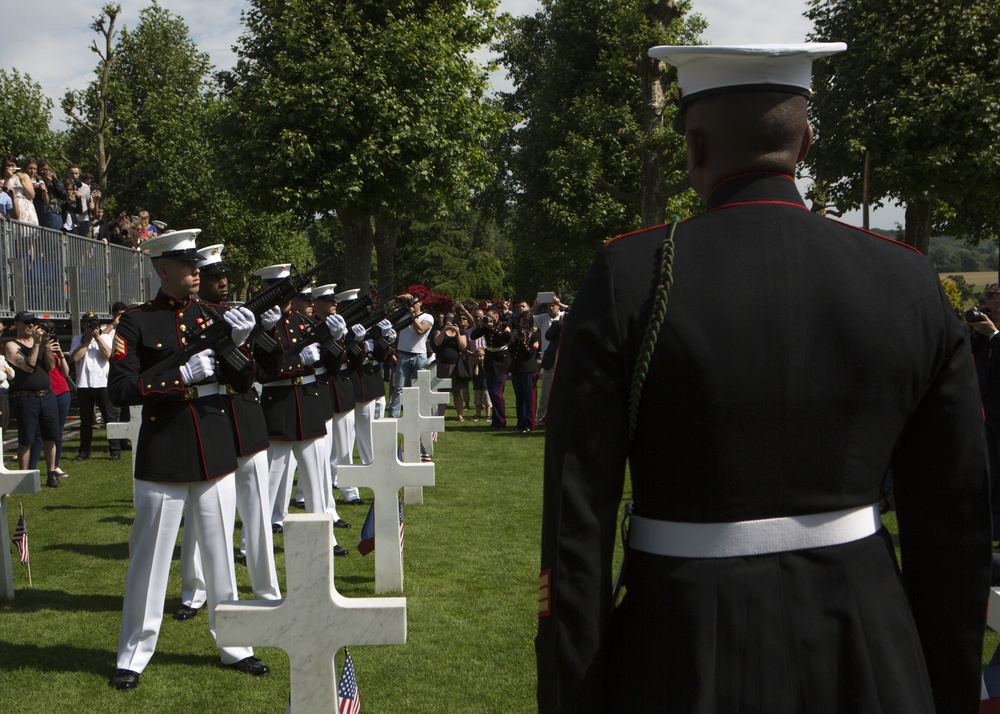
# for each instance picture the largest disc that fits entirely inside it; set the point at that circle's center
(471, 582)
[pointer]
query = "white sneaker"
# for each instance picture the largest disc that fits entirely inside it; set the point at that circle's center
(60, 472)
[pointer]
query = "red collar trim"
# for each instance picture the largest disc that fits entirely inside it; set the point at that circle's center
(758, 203)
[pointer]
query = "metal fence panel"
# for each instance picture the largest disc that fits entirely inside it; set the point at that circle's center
(34, 263)
(90, 259)
(39, 254)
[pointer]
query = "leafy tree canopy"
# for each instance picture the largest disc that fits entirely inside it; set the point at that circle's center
(580, 159)
(918, 88)
(25, 115)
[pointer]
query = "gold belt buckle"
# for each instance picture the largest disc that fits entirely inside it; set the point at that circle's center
(296, 381)
(190, 393)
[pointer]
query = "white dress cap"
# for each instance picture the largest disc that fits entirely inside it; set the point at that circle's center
(179, 245)
(324, 292)
(347, 295)
(275, 272)
(704, 70)
(210, 255)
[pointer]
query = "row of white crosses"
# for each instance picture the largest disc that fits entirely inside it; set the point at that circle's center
(314, 621)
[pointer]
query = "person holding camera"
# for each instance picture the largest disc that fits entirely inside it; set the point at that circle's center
(19, 187)
(91, 352)
(411, 351)
(59, 376)
(81, 202)
(497, 336)
(35, 406)
(449, 347)
(50, 195)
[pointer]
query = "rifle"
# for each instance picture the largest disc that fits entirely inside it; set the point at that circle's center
(218, 335)
(319, 333)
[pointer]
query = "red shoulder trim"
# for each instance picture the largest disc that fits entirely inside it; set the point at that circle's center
(877, 235)
(644, 230)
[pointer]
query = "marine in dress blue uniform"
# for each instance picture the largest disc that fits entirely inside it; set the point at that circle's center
(185, 452)
(253, 501)
(798, 361)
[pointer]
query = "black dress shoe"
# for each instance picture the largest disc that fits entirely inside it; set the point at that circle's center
(355, 502)
(53, 480)
(84, 457)
(125, 679)
(300, 504)
(341, 523)
(251, 665)
(116, 457)
(337, 550)
(185, 612)
(276, 528)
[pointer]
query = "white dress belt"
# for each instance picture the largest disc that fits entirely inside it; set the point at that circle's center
(308, 379)
(320, 370)
(744, 538)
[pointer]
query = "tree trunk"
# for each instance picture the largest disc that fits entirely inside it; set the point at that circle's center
(386, 233)
(656, 78)
(357, 249)
(918, 225)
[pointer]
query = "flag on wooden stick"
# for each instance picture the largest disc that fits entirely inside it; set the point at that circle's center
(21, 538)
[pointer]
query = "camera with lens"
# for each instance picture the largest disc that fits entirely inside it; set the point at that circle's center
(977, 314)
(49, 327)
(93, 324)
(449, 320)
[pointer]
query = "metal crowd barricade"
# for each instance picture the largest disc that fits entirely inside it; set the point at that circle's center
(60, 276)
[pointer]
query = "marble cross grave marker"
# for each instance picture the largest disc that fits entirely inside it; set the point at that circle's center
(127, 430)
(385, 475)
(414, 424)
(12, 482)
(313, 620)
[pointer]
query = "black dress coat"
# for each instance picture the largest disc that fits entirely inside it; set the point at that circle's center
(799, 360)
(294, 412)
(180, 439)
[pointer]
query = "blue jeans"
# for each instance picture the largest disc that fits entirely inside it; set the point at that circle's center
(62, 406)
(407, 365)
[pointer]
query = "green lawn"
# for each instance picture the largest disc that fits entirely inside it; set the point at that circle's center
(471, 574)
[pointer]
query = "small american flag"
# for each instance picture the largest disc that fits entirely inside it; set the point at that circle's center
(347, 690)
(425, 458)
(21, 538)
(400, 526)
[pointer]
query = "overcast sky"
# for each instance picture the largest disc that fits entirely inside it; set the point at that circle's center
(56, 54)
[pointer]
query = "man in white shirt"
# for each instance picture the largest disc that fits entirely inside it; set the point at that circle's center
(411, 351)
(90, 351)
(543, 321)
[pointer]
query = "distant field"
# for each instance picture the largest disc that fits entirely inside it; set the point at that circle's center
(977, 280)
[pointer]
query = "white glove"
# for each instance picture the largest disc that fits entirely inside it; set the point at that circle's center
(359, 331)
(385, 326)
(369, 346)
(242, 321)
(391, 337)
(337, 326)
(199, 368)
(270, 318)
(309, 355)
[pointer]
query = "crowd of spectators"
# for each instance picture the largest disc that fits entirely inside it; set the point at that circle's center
(481, 345)
(32, 192)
